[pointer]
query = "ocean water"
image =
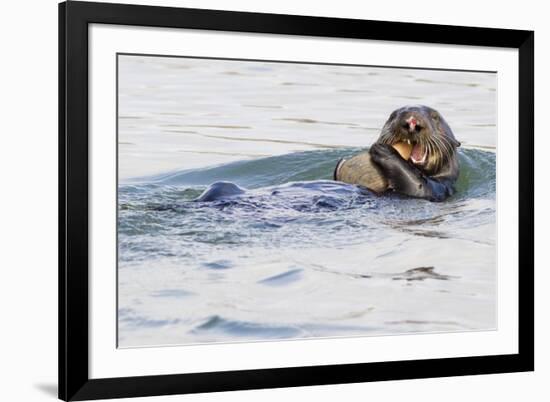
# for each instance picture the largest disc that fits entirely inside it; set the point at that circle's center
(296, 255)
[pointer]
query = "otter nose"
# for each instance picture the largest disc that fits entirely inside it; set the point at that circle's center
(412, 123)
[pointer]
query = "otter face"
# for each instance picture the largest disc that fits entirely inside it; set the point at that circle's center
(433, 143)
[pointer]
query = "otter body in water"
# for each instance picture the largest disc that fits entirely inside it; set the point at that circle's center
(430, 170)
(220, 190)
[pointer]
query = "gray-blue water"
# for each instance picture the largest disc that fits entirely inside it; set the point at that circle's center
(297, 255)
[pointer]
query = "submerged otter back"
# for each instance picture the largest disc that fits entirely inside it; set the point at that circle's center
(360, 170)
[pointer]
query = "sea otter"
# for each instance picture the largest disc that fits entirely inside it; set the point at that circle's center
(431, 168)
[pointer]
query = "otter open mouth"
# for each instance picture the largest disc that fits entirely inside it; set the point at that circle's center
(411, 150)
(418, 154)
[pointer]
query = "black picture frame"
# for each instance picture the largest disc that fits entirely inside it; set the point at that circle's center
(74, 381)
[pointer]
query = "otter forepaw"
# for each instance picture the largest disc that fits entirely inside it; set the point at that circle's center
(382, 152)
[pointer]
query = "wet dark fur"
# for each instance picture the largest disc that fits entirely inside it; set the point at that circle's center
(432, 180)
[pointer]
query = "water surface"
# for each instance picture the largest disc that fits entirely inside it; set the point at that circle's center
(297, 255)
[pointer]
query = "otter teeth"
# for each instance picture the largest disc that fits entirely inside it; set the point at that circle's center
(409, 141)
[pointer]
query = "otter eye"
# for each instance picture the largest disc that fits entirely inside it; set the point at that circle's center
(418, 128)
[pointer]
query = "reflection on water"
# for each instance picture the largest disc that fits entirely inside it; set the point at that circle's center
(296, 254)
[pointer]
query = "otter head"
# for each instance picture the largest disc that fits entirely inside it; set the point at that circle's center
(433, 143)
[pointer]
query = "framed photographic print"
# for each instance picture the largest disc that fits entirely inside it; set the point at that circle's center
(258, 200)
